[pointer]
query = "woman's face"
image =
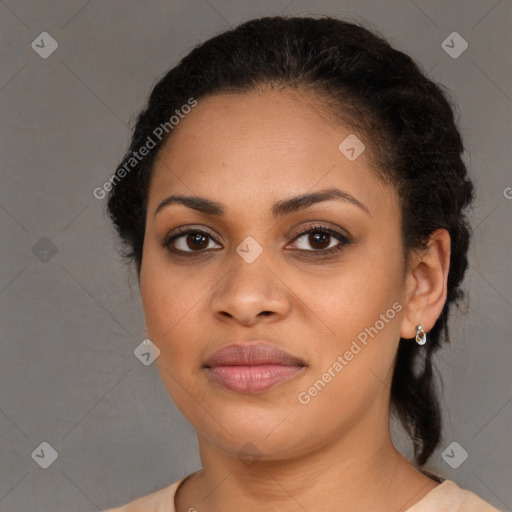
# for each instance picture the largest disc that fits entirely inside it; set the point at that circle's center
(335, 302)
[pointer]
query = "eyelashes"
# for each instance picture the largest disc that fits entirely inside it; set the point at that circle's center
(195, 241)
(184, 233)
(325, 232)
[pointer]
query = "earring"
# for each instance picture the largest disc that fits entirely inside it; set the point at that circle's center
(421, 335)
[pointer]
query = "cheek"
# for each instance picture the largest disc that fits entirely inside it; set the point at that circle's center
(173, 299)
(169, 302)
(352, 368)
(168, 293)
(356, 294)
(162, 300)
(361, 307)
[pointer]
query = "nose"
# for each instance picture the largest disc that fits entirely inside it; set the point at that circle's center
(250, 293)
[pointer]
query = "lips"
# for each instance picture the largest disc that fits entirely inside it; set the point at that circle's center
(251, 354)
(252, 367)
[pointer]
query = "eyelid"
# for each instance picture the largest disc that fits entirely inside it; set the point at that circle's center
(343, 238)
(322, 226)
(185, 230)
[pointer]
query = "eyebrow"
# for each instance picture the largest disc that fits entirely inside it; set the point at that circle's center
(279, 209)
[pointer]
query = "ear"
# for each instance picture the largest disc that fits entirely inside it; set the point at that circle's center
(426, 284)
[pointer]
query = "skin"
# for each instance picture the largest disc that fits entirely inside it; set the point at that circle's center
(247, 151)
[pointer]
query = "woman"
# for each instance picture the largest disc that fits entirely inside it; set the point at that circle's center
(294, 202)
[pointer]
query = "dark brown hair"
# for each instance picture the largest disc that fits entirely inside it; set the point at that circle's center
(372, 87)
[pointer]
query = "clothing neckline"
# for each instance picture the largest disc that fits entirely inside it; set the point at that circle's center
(432, 493)
(433, 476)
(443, 484)
(178, 484)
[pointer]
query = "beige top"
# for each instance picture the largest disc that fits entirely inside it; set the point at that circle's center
(446, 497)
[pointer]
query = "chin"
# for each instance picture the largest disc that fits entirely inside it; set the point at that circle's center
(268, 438)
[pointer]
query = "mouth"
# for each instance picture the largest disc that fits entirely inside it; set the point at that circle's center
(252, 368)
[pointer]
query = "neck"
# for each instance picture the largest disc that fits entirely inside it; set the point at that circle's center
(359, 471)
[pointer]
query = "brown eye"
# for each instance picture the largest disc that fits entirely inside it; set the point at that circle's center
(320, 239)
(196, 241)
(188, 240)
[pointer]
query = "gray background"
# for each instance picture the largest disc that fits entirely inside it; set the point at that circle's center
(71, 320)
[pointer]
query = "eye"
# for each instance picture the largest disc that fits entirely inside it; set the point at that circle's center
(320, 238)
(188, 239)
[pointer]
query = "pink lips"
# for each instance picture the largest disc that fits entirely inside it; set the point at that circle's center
(252, 367)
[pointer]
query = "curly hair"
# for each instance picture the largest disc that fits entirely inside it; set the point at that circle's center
(369, 85)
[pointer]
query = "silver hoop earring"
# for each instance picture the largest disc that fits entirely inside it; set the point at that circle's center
(421, 335)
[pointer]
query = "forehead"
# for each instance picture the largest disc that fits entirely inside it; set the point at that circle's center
(268, 142)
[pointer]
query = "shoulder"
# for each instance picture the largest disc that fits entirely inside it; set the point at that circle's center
(449, 497)
(471, 502)
(159, 501)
